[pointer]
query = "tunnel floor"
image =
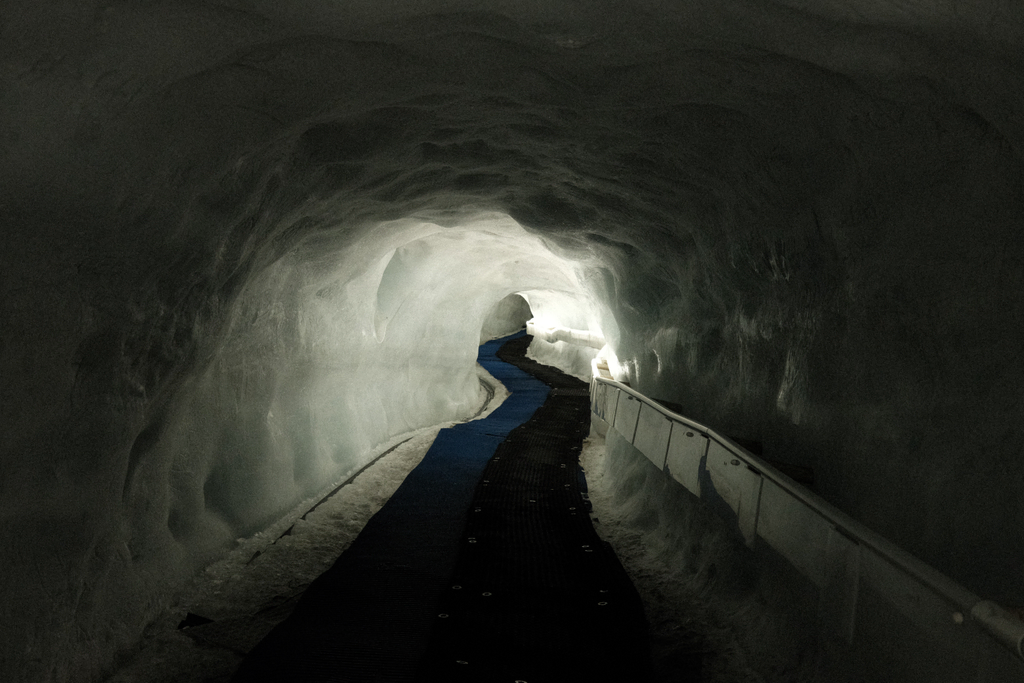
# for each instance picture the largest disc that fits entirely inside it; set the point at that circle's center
(483, 566)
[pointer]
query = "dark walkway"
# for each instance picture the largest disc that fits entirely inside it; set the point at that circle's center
(478, 569)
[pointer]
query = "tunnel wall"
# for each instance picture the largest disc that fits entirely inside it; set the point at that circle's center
(571, 351)
(868, 335)
(507, 316)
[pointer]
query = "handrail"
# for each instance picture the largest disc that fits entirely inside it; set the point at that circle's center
(997, 622)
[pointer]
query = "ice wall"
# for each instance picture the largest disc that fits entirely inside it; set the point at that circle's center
(317, 368)
(506, 317)
(569, 358)
(321, 359)
(225, 224)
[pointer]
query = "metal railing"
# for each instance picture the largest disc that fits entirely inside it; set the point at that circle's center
(841, 556)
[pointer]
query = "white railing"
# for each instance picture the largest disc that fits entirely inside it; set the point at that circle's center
(842, 557)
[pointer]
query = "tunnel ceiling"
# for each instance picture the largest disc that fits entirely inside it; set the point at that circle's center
(746, 168)
(682, 118)
(216, 136)
(172, 150)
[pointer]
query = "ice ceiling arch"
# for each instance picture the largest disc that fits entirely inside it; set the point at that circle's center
(798, 220)
(471, 268)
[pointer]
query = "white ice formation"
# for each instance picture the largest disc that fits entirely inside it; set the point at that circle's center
(244, 243)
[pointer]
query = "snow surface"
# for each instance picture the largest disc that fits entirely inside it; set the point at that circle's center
(506, 317)
(571, 359)
(246, 244)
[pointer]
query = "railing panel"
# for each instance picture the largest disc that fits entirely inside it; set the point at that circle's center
(1002, 625)
(996, 663)
(611, 401)
(934, 615)
(686, 448)
(626, 415)
(797, 532)
(652, 433)
(921, 636)
(841, 582)
(599, 399)
(866, 583)
(612, 405)
(738, 485)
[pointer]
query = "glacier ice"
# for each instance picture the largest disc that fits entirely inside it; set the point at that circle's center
(247, 243)
(507, 316)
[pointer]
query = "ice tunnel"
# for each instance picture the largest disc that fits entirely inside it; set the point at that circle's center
(248, 244)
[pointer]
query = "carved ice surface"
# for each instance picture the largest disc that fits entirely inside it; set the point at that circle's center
(310, 380)
(506, 317)
(245, 244)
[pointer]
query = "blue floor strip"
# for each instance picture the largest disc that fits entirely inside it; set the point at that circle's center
(369, 617)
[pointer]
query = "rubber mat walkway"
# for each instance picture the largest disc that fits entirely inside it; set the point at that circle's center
(484, 565)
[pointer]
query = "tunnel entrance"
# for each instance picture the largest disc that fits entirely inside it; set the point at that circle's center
(507, 316)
